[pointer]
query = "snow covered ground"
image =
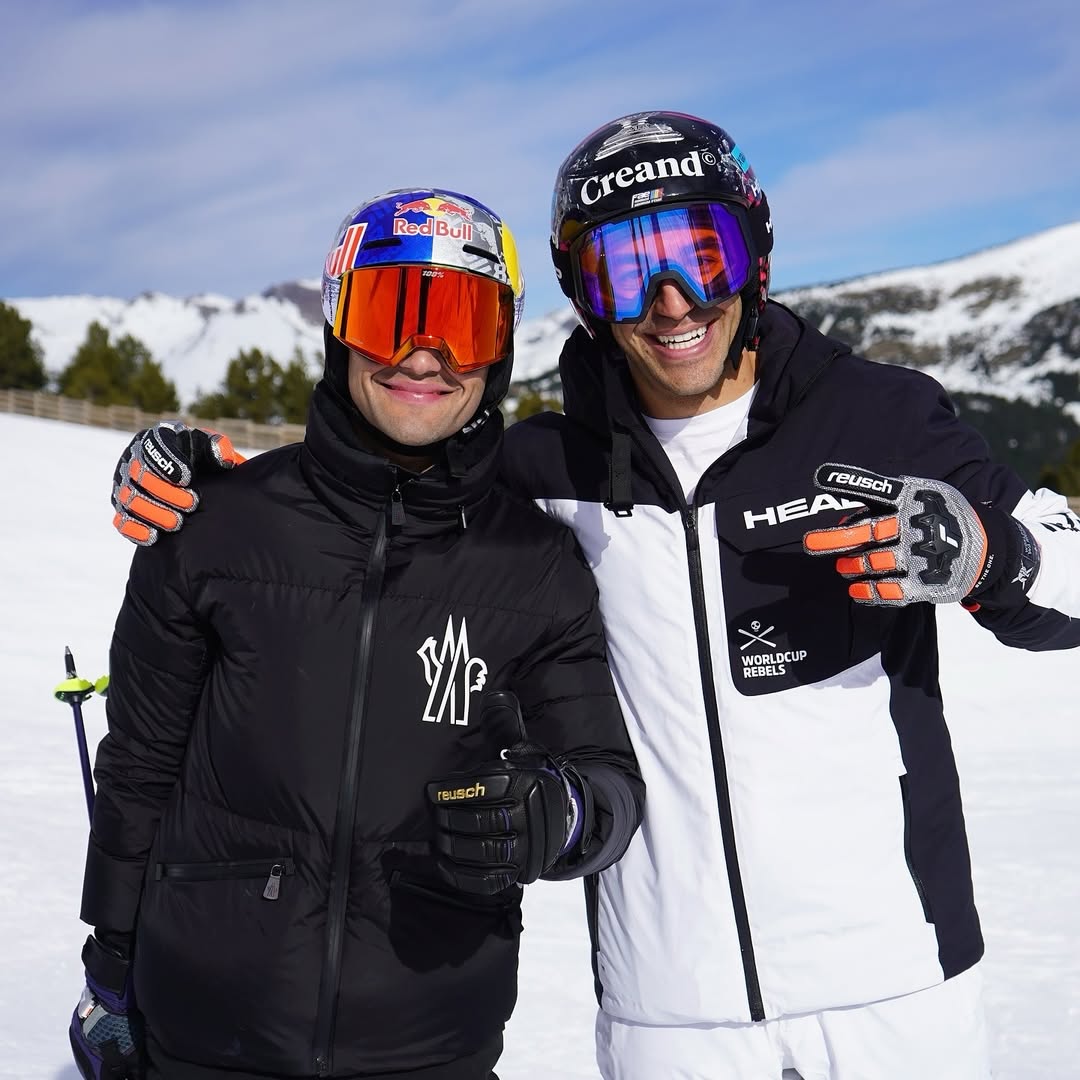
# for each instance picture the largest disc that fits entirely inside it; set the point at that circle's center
(62, 570)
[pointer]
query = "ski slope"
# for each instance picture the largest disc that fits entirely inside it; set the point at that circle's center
(1013, 716)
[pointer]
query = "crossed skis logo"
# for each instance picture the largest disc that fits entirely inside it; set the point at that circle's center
(764, 664)
(453, 675)
(756, 636)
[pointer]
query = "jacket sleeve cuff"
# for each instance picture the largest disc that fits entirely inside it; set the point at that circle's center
(609, 818)
(111, 889)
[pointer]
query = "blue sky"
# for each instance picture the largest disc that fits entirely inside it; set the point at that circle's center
(214, 147)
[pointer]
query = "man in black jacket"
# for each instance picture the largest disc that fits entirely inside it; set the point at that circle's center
(318, 799)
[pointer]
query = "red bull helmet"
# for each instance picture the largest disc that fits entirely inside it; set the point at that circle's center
(658, 196)
(424, 268)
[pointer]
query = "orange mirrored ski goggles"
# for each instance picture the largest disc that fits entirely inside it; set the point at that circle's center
(385, 312)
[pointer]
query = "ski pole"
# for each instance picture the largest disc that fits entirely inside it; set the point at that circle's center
(74, 691)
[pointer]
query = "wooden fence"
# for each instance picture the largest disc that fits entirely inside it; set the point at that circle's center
(244, 433)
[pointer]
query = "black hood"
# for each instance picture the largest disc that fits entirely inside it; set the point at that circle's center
(336, 377)
(358, 482)
(599, 392)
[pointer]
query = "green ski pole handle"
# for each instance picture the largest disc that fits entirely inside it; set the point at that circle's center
(74, 691)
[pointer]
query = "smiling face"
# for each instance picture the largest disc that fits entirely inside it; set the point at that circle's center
(677, 353)
(419, 401)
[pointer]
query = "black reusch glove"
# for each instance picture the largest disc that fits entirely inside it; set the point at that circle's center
(931, 544)
(505, 822)
(152, 484)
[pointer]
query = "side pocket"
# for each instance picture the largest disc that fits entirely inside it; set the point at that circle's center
(433, 889)
(916, 880)
(433, 926)
(273, 870)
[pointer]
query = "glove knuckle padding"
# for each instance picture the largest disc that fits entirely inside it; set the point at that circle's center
(942, 541)
(932, 547)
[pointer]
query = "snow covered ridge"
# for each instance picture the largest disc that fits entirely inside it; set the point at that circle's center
(1003, 322)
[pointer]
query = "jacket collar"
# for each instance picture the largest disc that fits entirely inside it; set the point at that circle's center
(358, 484)
(598, 389)
(599, 393)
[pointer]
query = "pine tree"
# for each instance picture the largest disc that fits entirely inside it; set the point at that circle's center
(1064, 477)
(295, 390)
(250, 391)
(530, 402)
(98, 372)
(117, 373)
(21, 367)
(151, 391)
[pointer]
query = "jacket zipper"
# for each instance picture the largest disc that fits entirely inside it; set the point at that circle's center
(723, 794)
(345, 820)
(920, 889)
(274, 870)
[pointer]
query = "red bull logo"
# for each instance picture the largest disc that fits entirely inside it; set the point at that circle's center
(456, 209)
(437, 213)
(416, 206)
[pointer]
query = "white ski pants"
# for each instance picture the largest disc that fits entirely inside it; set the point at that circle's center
(935, 1034)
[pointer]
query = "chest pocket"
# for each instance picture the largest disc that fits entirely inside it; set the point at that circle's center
(790, 620)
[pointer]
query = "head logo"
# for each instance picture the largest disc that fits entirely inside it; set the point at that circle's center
(453, 675)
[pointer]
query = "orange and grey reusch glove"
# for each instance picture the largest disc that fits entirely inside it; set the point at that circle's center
(930, 545)
(152, 483)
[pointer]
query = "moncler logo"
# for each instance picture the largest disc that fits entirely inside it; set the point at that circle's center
(453, 675)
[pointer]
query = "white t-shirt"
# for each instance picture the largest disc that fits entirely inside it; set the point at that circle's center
(692, 444)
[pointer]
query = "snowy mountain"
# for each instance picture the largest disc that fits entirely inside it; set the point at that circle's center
(1000, 329)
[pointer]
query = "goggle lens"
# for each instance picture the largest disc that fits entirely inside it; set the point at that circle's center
(618, 264)
(385, 312)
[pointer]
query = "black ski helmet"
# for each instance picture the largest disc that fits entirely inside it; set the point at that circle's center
(646, 160)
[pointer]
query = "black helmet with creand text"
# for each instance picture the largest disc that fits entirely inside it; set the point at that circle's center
(645, 161)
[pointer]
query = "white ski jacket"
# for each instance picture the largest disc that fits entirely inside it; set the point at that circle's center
(803, 845)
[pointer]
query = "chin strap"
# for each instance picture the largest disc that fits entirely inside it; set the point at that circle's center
(746, 335)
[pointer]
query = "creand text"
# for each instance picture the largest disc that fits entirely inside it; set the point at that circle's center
(644, 172)
(797, 508)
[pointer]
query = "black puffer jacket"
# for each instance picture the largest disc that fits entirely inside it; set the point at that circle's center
(287, 673)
